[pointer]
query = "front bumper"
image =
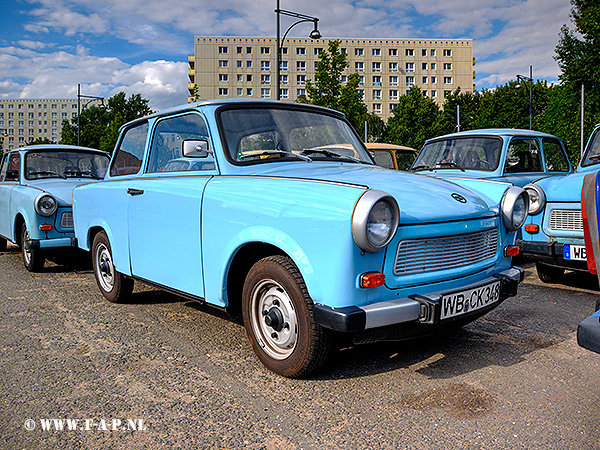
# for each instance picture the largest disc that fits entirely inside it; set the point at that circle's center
(588, 333)
(48, 243)
(422, 309)
(551, 253)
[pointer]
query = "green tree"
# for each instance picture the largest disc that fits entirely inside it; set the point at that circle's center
(465, 103)
(99, 126)
(414, 120)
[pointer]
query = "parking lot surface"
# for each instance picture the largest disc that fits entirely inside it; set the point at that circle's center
(166, 372)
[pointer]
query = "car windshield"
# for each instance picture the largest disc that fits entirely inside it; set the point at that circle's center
(262, 135)
(469, 153)
(64, 164)
(592, 154)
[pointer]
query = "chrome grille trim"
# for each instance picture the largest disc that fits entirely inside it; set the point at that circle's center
(66, 220)
(566, 219)
(428, 255)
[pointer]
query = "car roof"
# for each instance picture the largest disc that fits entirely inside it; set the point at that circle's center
(496, 132)
(58, 147)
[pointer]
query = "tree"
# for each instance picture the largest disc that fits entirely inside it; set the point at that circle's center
(467, 104)
(414, 120)
(100, 126)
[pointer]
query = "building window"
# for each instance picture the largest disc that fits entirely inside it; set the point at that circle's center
(376, 80)
(265, 50)
(318, 51)
(265, 65)
(344, 78)
(447, 52)
(223, 91)
(410, 52)
(447, 94)
(447, 66)
(284, 93)
(433, 94)
(424, 80)
(410, 67)
(248, 64)
(343, 51)
(239, 64)
(64, 116)
(377, 94)
(393, 81)
(359, 52)
(393, 94)
(248, 50)
(393, 67)
(432, 52)
(223, 50)
(301, 51)
(433, 66)
(377, 108)
(240, 92)
(239, 50)
(410, 81)
(361, 80)
(301, 66)
(284, 50)
(223, 63)
(447, 80)
(265, 93)
(424, 66)
(265, 79)
(423, 52)
(53, 106)
(249, 78)
(249, 92)
(361, 92)
(283, 65)
(376, 67)
(300, 92)
(393, 52)
(376, 52)
(359, 67)
(392, 106)
(283, 79)
(424, 93)
(223, 78)
(301, 79)
(240, 78)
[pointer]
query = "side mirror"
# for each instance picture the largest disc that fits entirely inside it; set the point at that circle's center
(196, 149)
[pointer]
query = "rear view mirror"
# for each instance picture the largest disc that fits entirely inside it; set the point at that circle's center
(196, 149)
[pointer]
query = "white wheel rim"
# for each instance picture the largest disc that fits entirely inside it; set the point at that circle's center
(278, 339)
(26, 251)
(105, 271)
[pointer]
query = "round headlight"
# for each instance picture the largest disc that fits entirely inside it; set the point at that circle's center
(537, 198)
(45, 205)
(374, 220)
(515, 207)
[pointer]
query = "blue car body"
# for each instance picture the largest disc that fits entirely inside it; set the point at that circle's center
(553, 234)
(43, 175)
(273, 186)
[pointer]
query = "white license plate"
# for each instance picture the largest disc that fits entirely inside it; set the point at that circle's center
(463, 302)
(575, 252)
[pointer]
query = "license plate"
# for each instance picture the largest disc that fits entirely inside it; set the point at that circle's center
(575, 252)
(463, 302)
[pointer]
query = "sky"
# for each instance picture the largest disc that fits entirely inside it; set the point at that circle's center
(48, 47)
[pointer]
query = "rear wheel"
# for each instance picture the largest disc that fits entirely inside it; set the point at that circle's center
(278, 319)
(33, 259)
(2, 244)
(549, 274)
(115, 286)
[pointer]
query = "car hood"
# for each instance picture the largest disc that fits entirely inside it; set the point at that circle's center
(420, 198)
(61, 190)
(563, 188)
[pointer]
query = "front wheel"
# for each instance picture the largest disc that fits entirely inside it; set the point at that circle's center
(549, 274)
(33, 259)
(278, 317)
(115, 286)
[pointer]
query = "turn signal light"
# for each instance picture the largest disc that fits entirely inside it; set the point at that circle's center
(372, 279)
(511, 250)
(46, 227)
(532, 229)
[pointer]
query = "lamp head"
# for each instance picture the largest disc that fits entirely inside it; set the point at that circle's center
(315, 34)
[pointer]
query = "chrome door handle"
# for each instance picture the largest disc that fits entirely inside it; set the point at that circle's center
(132, 191)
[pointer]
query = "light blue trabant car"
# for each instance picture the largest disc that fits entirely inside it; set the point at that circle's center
(36, 186)
(553, 234)
(290, 223)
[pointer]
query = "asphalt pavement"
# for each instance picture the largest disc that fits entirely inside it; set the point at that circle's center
(77, 372)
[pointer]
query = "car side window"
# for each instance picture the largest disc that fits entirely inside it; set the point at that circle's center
(384, 159)
(556, 160)
(10, 167)
(166, 151)
(523, 155)
(130, 153)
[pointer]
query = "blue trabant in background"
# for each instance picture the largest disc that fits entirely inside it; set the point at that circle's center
(289, 222)
(553, 234)
(512, 155)
(36, 187)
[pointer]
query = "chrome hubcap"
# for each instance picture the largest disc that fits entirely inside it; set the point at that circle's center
(105, 271)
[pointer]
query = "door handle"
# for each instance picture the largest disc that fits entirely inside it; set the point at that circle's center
(132, 191)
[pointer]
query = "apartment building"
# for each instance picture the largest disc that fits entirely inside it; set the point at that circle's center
(26, 120)
(245, 67)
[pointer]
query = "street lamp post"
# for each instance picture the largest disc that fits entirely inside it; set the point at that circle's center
(529, 79)
(314, 34)
(79, 97)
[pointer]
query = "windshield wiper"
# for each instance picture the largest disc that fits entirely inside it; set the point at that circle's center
(311, 151)
(47, 172)
(594, 157)
(80, 173)
(275, 152)
(420, 167)
(449, 164)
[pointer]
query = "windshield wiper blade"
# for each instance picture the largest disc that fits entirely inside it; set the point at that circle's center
(275, 152)
(449, 164)
(310, 151)
(420, 167)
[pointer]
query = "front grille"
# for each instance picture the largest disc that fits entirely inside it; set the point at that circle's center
(427, 255)
(66, 220)
(566, 219)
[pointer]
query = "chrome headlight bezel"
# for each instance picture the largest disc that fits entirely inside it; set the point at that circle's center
(45, 204)
(515, 207)
(362, 217)
(537, 198)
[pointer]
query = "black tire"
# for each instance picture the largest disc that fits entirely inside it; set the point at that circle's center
(597, 307)
(549, 274)
(2, 244)
(33, 258)
(278, 317)
(115, 286)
